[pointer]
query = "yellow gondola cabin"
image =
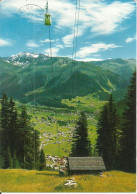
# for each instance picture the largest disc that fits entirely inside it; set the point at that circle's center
(47, 19)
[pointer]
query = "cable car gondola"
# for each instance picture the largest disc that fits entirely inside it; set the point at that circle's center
(47, 17)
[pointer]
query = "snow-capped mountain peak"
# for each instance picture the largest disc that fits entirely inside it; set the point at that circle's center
(27, 54)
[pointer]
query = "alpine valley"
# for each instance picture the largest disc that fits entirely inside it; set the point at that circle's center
(55, 92)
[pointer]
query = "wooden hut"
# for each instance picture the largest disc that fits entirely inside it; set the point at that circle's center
(85, 165)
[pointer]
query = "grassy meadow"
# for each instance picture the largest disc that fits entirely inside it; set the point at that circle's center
(49, 181)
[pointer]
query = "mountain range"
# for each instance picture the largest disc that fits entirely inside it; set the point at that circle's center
(40, 79)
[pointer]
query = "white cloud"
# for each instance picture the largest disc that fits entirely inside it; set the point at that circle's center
(4, 42)
(54, 51)
(47, 40)
(68, 40)
(128, 40)
(89, 59)
(94, 48)
(59, 9)
(32, 44)
(10, 7)
(98, 17)
(105, 17)
(102, 17)
(60, 46)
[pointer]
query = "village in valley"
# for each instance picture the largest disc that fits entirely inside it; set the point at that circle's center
(56, 133)
(67, 96)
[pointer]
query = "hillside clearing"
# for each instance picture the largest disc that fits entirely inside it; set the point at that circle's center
(49, 181)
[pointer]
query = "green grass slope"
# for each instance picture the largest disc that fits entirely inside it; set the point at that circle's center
(122, 67)
(48, 181)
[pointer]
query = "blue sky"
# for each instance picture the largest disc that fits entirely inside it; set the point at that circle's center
(106, 28)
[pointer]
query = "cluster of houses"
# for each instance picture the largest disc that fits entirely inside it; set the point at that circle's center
(57, 163)
(58, 138)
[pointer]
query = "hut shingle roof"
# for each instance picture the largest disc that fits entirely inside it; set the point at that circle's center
(86, 163)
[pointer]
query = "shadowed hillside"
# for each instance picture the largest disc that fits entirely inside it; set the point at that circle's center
(26, 75)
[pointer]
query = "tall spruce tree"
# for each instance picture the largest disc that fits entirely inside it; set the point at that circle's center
(106, 140)
(25, 141)
(5, 122)
(1, 148)
(15, 161)
(13, 126)
(128, 141)
(8, 162)
(103, 133)
(36, 150)
(4, 129)
(81, 145)
(42, 160)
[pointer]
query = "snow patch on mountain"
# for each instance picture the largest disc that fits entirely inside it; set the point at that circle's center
(17, 63)
(27, 54)
(7, 61)
(32, 55)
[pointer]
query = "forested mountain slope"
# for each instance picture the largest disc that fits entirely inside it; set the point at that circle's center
(27, 76)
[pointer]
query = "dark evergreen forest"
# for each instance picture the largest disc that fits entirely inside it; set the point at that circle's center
(19, 142)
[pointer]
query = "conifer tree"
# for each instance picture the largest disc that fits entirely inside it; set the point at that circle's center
(13, 125)
(36, 149)
(42, 160)
(5, 122)
(8, 162)
(106, 140)
(15, 161)
(128, 142)
(1, 149)
(81, 145)
(112, 118)
(25, 141)
(4, 129)
(103, 131)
